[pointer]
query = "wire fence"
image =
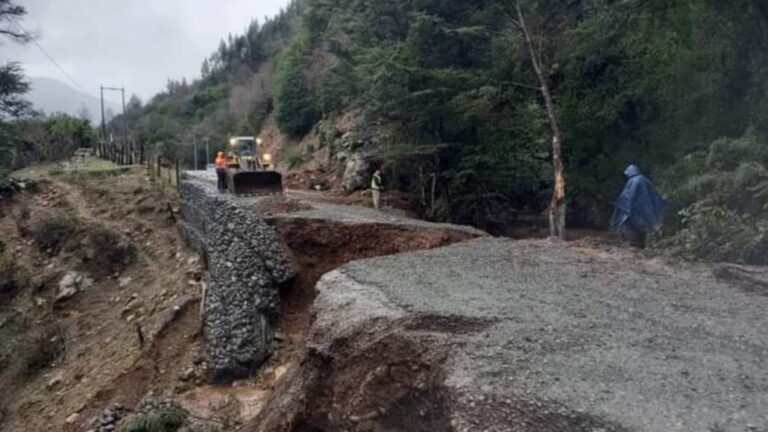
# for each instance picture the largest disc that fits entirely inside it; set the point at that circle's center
(121, 152)
(167, 172)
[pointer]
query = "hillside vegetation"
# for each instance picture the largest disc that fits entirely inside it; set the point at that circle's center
(451, 105)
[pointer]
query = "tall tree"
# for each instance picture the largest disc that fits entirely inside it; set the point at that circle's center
(295, 108)
(557, 206)
(12, 84)
(12, 87)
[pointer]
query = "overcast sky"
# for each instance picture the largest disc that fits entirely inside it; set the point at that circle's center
(138, 44)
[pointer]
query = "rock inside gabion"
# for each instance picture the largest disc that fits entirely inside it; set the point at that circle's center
(247, 262)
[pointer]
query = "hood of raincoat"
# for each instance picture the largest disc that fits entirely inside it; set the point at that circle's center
(632, 171)
(639, 203)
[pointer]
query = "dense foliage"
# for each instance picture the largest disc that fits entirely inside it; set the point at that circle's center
(295, 109)
(644, 82)
(722, 194)
(448, 91)
(39, 138)
(12, 87)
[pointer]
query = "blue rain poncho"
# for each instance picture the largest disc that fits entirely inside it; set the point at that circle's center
(639, 203)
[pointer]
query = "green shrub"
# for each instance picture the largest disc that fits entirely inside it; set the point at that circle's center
(165, 419)
(715, 233)
(54, 232)
(43, 349)
(4, 177)
(328, 134)
(99, 249)
(103, 251)
(4, 363)
(10, 278)
(726, 154)
(722, 194)
(293, 156)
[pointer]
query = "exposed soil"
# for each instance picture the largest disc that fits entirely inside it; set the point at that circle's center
(321, 246)
(104, 359)
(394, 384)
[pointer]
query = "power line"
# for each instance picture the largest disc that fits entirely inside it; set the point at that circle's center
(50, 57)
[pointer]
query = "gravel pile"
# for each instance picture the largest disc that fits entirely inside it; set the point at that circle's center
(247, 262)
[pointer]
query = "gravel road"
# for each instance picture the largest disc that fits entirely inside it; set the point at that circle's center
(639, 344)
(336, 212)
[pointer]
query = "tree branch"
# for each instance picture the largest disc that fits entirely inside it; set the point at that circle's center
(9, 13)
(21, 37)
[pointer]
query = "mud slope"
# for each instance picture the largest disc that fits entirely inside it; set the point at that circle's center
(496, 335)
(125, 335)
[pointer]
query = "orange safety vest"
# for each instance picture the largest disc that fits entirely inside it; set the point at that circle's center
(221, 162)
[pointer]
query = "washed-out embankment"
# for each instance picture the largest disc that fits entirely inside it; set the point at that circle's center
(483, 334)
(262, 270)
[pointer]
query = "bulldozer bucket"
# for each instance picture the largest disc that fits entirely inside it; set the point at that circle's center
(254, 182)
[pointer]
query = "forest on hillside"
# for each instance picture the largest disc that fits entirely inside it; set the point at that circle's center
(679, 87)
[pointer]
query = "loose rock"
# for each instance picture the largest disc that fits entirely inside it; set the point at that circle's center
(69, 286)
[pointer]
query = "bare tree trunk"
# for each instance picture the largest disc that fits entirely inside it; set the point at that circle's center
(557, 207)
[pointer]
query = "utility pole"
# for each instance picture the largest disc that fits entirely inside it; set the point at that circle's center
(207, 152)
(126, 146)
(207, 141)
(103, 125)
(194, 138)
(122, 159)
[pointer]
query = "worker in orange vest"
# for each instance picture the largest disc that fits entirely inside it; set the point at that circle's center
(221, 171)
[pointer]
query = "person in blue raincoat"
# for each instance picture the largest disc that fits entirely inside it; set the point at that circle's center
(639, 209)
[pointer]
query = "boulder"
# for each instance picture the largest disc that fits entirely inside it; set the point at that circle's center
(357, 173)
(72, 283)
(68, 286)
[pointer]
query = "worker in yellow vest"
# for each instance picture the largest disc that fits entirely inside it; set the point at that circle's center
(376, 188)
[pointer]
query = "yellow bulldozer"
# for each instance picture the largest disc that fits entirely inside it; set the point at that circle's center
(251, 172)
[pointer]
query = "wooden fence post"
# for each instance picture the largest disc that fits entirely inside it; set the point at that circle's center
(178, 176)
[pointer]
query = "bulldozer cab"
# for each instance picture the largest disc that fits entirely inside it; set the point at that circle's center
(242, 153)
(245, 147)
(250, 172)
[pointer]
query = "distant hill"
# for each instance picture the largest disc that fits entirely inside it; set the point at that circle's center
(51, 95)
